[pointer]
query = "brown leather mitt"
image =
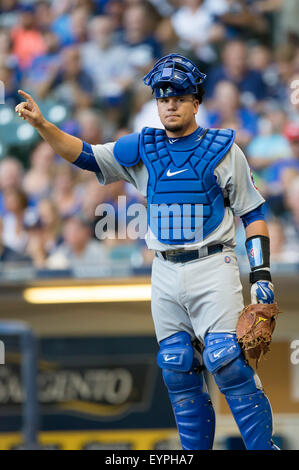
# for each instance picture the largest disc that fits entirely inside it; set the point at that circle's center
(254, 329)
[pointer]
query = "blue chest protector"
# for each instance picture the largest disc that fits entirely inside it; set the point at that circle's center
(185, 203)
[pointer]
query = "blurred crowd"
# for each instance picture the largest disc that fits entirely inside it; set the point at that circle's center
(91, 56)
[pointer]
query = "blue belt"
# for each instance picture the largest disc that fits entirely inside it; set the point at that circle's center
(176, 256)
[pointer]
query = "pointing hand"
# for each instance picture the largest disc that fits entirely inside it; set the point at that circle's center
(29, 110)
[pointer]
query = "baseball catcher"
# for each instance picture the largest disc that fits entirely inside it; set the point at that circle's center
(195, 181)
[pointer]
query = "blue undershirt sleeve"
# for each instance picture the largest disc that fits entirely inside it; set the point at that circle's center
(252, 216)
(86, 159)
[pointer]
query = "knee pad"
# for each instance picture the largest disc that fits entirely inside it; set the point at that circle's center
(181, 370)
(223, 357)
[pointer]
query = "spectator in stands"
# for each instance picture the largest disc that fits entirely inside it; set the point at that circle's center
(115, 10)
(270, 145)
(291, 218)
(44, 15)
(5, 44)
(269, 6)
(67, 196)
(262, 60)
(8, 58)
(38, 179)
(106, 62)
(226, 111)
(79, 249)
(11, 175)
(282, 172)
(11, 97)
(94, 194)
(61, 7)
(51, 225)
(34, 244)
(140, 21)
(45, 64)
(61, 25)
(7, 254)
(293, 97)
(234, 67)
(70, 24)
(116, 191)
(91, 126)
(44, 233)
(9, 10)
(243, 19)
(28, 41)
(291, 132)
(284, 56)
(281, 252)
(195, 26)
(69, 83)
(14, 234)
(289, 21)
(120, 245)
(79, 20)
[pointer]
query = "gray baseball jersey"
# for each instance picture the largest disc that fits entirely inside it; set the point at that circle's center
(204, 295)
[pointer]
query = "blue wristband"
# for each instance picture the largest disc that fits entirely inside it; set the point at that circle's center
(258, 252)
(86, 159)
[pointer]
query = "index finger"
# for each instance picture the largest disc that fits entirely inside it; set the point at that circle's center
(25, 95)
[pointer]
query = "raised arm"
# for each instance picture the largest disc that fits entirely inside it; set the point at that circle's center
(65, 145)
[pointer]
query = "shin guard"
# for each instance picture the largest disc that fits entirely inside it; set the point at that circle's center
(192, 407)
(236, 380)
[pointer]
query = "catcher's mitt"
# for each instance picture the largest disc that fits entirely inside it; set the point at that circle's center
(254, 329)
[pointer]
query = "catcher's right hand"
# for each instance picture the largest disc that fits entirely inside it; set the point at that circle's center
(29, 110)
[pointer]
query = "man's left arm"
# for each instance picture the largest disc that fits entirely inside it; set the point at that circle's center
(258, 251)
(247, 203)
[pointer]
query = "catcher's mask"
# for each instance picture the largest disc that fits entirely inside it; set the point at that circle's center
(174, 75)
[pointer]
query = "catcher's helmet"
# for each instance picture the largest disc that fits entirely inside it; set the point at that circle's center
(174, 75)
